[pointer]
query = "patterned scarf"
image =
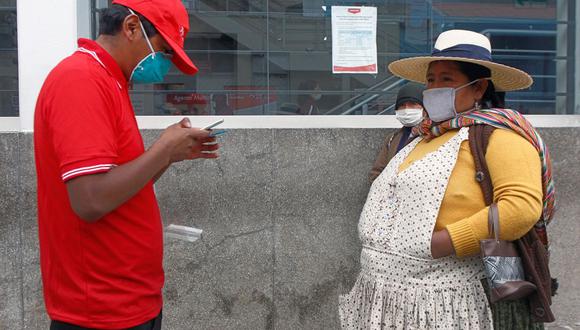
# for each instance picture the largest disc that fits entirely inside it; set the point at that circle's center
(506, 119)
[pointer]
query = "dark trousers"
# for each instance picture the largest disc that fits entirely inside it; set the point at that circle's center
(154, 324)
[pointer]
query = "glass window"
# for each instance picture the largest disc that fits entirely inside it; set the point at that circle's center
(526, 34)
(274, 57)
(8, 59)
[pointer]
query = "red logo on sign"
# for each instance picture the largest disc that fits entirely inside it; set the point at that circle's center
(354, 10)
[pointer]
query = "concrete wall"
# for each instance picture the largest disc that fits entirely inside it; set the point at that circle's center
(279, 211)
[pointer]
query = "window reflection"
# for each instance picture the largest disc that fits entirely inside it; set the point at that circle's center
(264, 56)
(8, 60)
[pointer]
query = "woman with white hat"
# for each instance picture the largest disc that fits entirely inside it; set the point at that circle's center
(425, 214)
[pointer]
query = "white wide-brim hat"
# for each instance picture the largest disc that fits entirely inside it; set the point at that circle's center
(463, 46)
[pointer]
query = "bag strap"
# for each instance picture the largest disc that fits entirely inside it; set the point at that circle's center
(478, 140)
(493, 221)
(537, 258)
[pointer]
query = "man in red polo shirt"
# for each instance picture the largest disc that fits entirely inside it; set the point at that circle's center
(101, 240)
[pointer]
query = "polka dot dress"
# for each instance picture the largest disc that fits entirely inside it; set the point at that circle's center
(400, 285)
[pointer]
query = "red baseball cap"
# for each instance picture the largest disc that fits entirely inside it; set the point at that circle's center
(170, 19)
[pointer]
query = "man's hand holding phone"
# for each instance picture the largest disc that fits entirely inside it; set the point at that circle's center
(212, 125)
(181, 142)
(213, 133)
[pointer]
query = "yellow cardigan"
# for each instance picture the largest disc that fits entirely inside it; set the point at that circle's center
(515, 170)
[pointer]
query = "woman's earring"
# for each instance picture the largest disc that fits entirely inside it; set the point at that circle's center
(477, 106)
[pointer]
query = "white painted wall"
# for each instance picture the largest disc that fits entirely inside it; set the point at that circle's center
(47, 33)
(308, 122)
(9, 124)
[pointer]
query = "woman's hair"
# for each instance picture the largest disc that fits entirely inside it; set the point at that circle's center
(491, 98)
(112, 18)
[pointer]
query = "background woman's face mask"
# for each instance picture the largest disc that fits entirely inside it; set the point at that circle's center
(409, 117)
(440, 102)
(153, 68)
(316, 95)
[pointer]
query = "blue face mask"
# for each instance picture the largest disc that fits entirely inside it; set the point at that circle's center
(153, 68)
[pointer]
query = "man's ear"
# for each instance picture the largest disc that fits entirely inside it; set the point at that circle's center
(131, 28)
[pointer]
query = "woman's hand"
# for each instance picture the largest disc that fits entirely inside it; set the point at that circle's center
(441, 244)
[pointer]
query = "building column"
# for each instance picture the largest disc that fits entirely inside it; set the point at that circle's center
(47, 33)
(577, 61)
(561, 52)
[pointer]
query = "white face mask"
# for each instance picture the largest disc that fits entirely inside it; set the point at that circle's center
(440, 102)
(316, 96)
(409, 117)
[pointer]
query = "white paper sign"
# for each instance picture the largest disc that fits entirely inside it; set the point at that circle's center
(354, 39)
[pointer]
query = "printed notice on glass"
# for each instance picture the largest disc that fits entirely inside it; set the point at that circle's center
(354, 39)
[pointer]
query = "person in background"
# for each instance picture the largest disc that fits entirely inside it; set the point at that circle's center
(309, 103)
(409, 112)
(100, 229)
(222, 106)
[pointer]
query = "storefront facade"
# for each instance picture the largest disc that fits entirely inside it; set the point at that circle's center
(280, 208)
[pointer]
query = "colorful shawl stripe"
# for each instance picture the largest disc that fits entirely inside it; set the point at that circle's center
(505, 119)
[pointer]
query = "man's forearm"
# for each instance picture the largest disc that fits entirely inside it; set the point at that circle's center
(160, 173)
(93, 196)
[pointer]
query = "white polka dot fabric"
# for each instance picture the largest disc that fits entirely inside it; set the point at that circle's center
(400, 285)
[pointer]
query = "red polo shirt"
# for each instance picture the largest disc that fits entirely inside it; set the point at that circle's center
(107, 274)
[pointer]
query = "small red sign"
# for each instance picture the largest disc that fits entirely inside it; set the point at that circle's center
(354, 10)
(186, 98)
(239, 101)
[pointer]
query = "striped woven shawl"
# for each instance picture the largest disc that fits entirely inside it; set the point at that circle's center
(505, 119)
